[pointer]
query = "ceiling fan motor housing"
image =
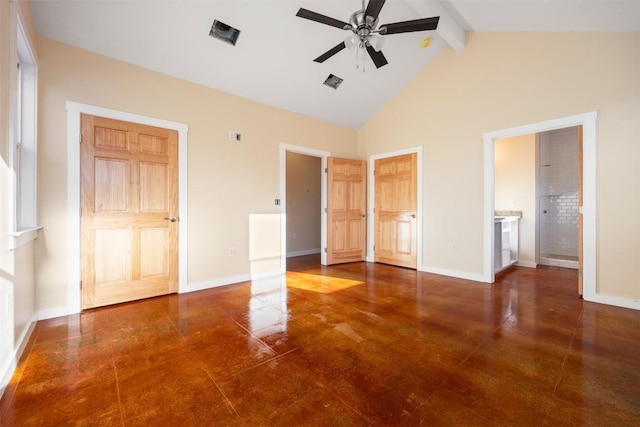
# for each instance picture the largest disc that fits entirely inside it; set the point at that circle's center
(362, 25)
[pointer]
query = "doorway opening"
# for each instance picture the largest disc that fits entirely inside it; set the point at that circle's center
(587, 122)
(558, 197)
(303, 205)
(298, 157)
(537, 181)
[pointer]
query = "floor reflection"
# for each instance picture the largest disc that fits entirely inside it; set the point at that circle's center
(268, 306)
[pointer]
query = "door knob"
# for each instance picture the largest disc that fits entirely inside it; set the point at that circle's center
(172, 218)
(412, 215)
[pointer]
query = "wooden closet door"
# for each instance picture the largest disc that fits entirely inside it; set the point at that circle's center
(395, 210)
(346, 210)
(129, 202)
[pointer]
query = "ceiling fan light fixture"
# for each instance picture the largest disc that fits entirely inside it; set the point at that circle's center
(352, 41)
(376, 41)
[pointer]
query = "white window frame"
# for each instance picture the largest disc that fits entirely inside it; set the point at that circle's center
(24, 127)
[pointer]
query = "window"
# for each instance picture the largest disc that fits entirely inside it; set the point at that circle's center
(24, 143)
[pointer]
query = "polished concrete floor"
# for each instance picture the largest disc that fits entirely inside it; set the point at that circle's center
(379, 345)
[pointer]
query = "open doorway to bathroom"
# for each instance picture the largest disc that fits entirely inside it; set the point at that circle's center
(537, 179)
(586, 125)
(558, 197)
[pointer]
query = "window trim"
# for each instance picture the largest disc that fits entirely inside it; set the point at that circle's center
(24, 113)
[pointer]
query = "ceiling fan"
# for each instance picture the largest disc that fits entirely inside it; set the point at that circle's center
(366, 32)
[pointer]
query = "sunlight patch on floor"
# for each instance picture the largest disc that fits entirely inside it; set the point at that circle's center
(316, 283)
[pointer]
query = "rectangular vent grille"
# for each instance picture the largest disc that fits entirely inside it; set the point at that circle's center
(224, 32)
(333, 81)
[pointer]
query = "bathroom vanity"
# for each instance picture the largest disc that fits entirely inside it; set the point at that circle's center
(505, 252)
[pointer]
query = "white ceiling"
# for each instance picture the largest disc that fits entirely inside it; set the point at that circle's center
(272, 61)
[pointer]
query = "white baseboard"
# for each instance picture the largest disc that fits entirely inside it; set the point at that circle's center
(208, 284)
(452, 273)
(266, 274)
(528, 264)
(12, 363)
(56, 312)
(614, 300)
(303, 253)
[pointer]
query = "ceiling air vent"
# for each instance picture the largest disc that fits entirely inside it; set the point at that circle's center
(333, 81)
(224, 32)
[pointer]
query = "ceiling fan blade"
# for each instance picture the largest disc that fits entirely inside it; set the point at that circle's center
(373, 8)
(314, 16)
(424, 24)
(377, 57)
(328, 54)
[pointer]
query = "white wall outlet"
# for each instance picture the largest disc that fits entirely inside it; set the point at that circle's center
(231, 251)
(294, 236)
(454, 247)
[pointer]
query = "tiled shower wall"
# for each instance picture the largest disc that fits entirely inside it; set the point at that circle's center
(558, 192)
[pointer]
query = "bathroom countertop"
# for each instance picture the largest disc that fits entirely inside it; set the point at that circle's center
(503, 214)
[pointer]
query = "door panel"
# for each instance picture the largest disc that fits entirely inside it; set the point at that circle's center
(580, 203)
(395, 210)
(129, 188)
(346, 207)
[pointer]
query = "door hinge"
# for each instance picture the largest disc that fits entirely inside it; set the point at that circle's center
(374, 172)
(580, 273)
(325, 210)
(80, 138)
(326, 170)
(325, 250)
(80, 284)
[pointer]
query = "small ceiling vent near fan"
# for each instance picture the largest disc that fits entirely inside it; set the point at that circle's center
(366, 34)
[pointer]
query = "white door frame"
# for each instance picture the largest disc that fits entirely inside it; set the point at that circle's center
(283, 199)
(371, 237)
(74, 110)
(588, 123)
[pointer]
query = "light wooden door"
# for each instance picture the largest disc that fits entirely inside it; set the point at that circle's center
(129, 201)
(346, 208)
(580, 227)
(396, 210)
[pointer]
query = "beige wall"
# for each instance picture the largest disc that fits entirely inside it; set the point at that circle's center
(515, 188)
(504, 80)
(16, 266)
(304, 203)
(227, 181)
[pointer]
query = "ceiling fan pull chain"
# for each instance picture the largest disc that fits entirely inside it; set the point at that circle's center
(364, 56)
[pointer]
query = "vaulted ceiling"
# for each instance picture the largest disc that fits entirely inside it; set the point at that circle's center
(272, 61)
